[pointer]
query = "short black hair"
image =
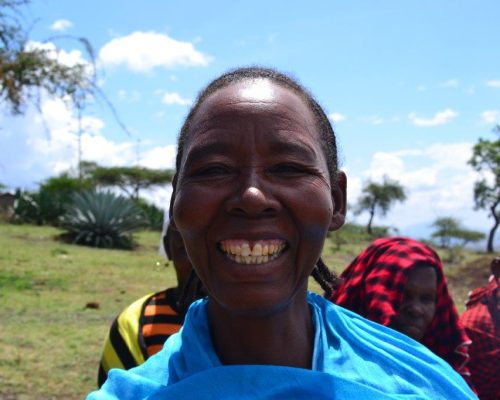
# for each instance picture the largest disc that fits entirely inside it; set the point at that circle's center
(326, 279)
(327, 135)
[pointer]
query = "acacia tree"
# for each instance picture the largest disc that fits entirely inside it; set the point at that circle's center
(26, 71)
(130, 179)
(486, 159)
(379, 198)
(449, 230)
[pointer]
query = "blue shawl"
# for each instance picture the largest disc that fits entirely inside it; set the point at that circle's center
(353, 359)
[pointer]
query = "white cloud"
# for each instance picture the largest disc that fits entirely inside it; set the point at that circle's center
(491, 116)
(160, 157)
(143, 51)
(30, 153)
(440, 118)
(495, 83)
(175, 98)
(61, 25)
(159, 196)
(336, 117)
(438, 180)
(421, 88)
(450, 83)
(69, 58)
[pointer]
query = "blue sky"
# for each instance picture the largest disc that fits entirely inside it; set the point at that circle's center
(410, 87)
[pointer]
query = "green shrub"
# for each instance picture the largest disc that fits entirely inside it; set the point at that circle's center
(152, 214)
(102, 219)
(40, 208)
(46, 206)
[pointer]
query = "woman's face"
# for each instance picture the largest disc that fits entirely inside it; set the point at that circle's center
(253, 200)
(419, 303)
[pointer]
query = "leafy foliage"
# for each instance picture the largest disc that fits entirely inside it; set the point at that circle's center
(25, 69)
(450, 233)
(102, 219)
(152, 215)
(48, 204)
(486, 159)
(379, 198)
(130, 179)
(40, 208)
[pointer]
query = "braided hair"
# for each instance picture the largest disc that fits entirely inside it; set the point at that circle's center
(327, 279)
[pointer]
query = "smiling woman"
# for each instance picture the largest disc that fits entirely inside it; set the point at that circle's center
(399, 282)
(256, 191)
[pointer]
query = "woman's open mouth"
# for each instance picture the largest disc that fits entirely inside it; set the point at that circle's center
(255, 252)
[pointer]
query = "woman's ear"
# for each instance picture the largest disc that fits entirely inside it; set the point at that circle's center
(172, 201)
(339, 197)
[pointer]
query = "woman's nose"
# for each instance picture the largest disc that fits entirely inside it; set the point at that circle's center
(414, 309)
(253, 198)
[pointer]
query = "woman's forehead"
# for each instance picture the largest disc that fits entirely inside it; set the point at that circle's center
(255, 97)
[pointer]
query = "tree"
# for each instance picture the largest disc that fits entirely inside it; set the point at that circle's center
(486, 160)
(448, 231)
(26, 70)
(379, 197)
(444, 230)
(130, 179)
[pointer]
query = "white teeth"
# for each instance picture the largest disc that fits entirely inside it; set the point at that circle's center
(262, 252)
(245, 250)
(257, 250)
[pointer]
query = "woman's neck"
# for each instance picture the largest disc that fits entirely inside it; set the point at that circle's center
(285, 337)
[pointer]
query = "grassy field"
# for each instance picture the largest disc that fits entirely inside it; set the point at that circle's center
(50, 342)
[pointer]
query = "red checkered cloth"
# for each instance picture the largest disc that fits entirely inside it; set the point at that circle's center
(373, 286)
(484, 351)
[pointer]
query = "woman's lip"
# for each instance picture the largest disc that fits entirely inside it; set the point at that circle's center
(250, 236)
(253, 272)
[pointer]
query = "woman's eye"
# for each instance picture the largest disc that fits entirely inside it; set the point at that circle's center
(288, 169)
(213, 171)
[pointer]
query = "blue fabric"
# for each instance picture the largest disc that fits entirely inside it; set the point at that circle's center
(353, 359)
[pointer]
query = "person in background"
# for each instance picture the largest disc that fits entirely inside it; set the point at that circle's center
(482, 323)
(399, 282)
(140, 330)
(257, 188)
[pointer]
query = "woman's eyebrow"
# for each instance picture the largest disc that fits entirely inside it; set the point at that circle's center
(207, 148)
(294, 148)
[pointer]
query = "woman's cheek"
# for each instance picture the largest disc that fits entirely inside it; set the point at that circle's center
(188, 210)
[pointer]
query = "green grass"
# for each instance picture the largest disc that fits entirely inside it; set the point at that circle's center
(50, 343)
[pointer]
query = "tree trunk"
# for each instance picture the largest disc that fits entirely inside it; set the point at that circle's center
(491, 236)
(369, 226)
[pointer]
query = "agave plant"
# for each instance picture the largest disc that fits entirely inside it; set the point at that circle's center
(102, 219)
